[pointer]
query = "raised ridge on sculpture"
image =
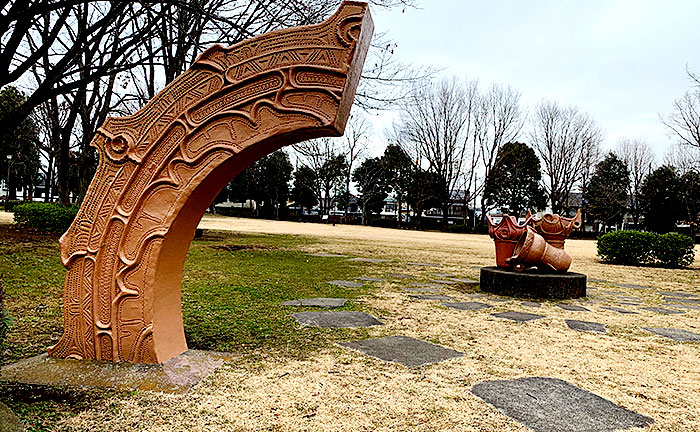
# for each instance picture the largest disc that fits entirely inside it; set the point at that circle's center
(160, 168)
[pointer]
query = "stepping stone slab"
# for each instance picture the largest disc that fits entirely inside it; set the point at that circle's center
(573, 308)
(501, 300)
(403, 350)
(370, 279)
(596, 280)
(400, 276)
(619, 310)
(679, 335)
(553, 405)
(678, 294)
(531, 304)
(442, 275)
(442, 281)
(465, 281)
(341, 319)
(327, 255)
(317, 302)
(344, 283)
(518, 316)
(432, 297)
(467, 305)
(586, 326)
(678, 305)
(369, 260)
(420, 290)
(629, 298)
(625, 285)
(629, 304)
(663, 311)
(428, 285)
(682, 300)
(424, 264)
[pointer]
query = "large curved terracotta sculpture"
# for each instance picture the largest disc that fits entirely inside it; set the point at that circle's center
(161, 168)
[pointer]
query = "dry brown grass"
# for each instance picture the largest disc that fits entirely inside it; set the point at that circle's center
(340, 390)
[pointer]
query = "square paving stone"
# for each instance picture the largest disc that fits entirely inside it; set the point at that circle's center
(428, 285)
(684, 306)
(663, 311)
(442, 275)
(596, 280)
(403, 350)
(467, 305)
(370, 279)
(629, 298)
(626, 285)
(465, 281)
(629, 303)
(679, 335)
(345, 283)
(400, 276)
(619, 310)
(500, 300)
(573, 308)
(420, 290)
(369, 260)
(586, 326)
(682, 300)
(341, 319)
(531, 304)
(518, 316)
(326, 255)
(420, 264)
(432, 297)
(317, 302)
(678, 294)
(553, 405)
(442, 281)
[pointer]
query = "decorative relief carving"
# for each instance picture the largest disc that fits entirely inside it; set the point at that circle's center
(160, 168)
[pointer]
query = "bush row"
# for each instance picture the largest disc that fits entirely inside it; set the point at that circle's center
(50, 217)
(637, 247)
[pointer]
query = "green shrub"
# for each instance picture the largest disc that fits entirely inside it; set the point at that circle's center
(51, 217)
(674, 250)
(639, 248)
(10, 205)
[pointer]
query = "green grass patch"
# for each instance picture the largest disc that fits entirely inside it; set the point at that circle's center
(231, 289)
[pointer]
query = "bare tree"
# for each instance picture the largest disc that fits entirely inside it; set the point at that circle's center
(435, 125)
(639, 157)
(683, 158)
(353, 145)
(684, 120)
(498, 120)
(564, 138)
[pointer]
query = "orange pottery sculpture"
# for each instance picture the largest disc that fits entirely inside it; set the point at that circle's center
(533, 250)
(505, 236)
(555, 229)
(161, 168)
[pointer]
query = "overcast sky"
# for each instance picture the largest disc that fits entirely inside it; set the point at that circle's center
(623, 62)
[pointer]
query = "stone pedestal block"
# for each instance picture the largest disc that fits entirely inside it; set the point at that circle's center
(532, 284)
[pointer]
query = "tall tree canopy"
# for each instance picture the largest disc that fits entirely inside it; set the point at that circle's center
(606, 196)
(370, 179)
(661, 199)
(514, 182)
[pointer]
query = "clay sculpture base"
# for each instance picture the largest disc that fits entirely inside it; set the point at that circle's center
(532, 283)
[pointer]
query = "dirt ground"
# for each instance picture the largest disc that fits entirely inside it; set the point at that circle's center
(341, 390)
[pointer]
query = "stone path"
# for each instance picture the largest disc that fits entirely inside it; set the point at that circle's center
(678, 305)
(428, 285)
(682, 300)
(626, 285)
(553, 405)
(317, 302)
(432, 297)
(403, 350)
(531, 304)
(442, 281)
(400, 276)
(663, 311)
(370, 279)
(326, 255)
(345, 283)
(369, 260)
(420, 290)
(467, 306)
(572, 308)
(442, 275)
(341, 319)
(420, 264)
(678, 335)
(619, 310)
(586, 326)
(518, 316)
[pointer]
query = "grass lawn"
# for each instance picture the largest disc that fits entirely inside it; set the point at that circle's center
(292, 378)
(232, 284)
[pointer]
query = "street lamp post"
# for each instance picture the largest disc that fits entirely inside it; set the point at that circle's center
(7, 182)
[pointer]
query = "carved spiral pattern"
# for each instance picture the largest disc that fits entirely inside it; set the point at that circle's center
(160, 168)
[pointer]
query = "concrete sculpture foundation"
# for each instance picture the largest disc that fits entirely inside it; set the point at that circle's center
(161, 168)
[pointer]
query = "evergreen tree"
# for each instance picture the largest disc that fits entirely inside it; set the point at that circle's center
(606, 196)
(661, 199)
(370, 179)
(397, 168)
(305, 183)
(514, 181)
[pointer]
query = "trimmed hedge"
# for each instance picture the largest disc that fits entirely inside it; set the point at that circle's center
(50, 217)
(10, 205)
(638, 248)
